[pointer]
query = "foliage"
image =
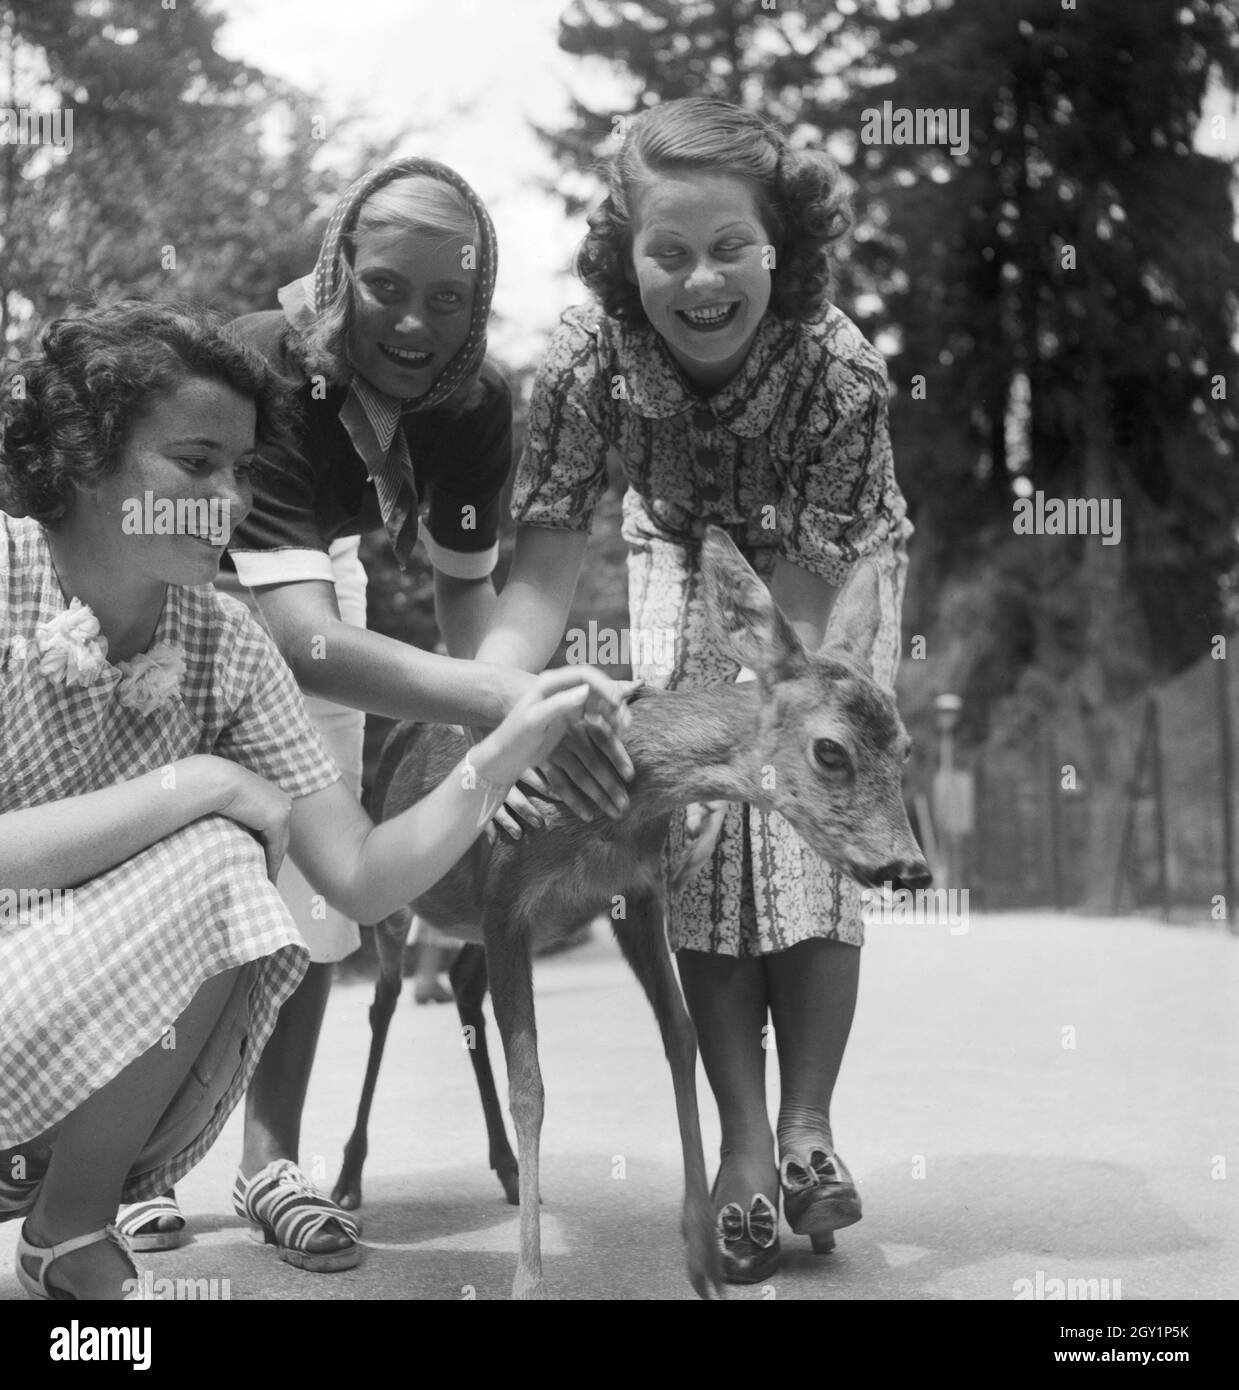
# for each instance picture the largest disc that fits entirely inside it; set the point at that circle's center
(190, 175)
(1057, 302)
(1081, 135)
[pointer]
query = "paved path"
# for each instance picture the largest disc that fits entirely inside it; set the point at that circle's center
(986, 1149)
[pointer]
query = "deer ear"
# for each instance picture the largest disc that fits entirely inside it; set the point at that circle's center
(854, 620)
(758, 635)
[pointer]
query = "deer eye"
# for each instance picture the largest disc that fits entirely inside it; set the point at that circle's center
(831, 756)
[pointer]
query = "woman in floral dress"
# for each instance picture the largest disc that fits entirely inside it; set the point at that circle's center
(734, 393)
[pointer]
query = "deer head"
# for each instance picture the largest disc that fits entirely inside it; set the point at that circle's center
(829, 746)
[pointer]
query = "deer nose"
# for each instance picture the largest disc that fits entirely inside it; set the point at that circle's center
(906, 873)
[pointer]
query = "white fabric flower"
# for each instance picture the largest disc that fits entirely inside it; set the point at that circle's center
(152, 679)
(71, 651)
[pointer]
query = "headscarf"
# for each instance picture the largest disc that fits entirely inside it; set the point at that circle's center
(371, 416)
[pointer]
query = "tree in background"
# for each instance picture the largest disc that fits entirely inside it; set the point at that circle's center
(1057, 304)
(1071, 329)
(190, 175)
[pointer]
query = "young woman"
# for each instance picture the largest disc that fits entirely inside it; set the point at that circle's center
(736, 394)
(155, 762)
(398, 409)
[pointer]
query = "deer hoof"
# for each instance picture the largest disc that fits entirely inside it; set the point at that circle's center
(705, 1261)
(511, 1187)
(345, 1196)
(707, 1284)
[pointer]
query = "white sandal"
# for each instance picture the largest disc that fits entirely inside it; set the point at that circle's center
(34, 1261)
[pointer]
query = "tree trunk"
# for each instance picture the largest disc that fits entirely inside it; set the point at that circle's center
(1101, 575)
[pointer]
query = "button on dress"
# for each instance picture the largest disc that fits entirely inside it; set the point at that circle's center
(792, 457)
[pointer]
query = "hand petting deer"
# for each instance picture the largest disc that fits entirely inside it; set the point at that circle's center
(813, 738)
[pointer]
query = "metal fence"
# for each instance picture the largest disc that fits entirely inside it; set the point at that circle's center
(1171, 824)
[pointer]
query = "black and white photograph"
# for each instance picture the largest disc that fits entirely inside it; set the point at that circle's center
(535, 537)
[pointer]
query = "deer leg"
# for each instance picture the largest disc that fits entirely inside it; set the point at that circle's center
(389, 937)
(509, 963)
(643, 940)
(469, 984)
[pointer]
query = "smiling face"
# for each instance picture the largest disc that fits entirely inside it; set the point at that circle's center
(412, 306)
(699, 261)
(182, 487)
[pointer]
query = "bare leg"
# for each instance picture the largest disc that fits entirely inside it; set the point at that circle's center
(97, 1144)
(726, 996)
(812, 999)
(276, 1096)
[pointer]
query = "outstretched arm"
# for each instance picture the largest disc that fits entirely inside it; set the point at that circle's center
(532, 611)
(368, 870)
(365, 670)
(588, 770)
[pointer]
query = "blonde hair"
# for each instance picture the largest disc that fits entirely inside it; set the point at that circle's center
(414, 203)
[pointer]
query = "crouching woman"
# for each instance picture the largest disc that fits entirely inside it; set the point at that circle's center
(155, 763)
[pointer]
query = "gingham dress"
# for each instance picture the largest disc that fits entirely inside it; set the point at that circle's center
(793, 458)
(79, 1003)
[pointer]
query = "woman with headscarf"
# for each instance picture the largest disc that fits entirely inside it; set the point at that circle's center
(384, 347)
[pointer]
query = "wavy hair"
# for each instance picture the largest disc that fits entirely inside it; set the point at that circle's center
(67, 409)
(800, 197)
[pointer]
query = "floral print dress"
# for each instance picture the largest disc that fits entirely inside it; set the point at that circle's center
(792, 457)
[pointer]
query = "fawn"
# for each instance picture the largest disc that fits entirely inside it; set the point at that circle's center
(813, 738)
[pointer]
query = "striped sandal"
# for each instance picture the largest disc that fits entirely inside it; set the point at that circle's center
(286, 1210)
(142, 1223)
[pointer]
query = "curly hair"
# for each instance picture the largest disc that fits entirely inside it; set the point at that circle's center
(800, 196)
(66, 411)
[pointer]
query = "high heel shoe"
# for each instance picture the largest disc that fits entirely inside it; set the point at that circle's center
(749, 1240)
(819, 1196)
(34, 1262)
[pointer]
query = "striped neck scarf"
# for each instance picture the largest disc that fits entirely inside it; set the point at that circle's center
(371, 417)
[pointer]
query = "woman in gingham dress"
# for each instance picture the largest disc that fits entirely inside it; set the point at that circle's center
(155, 761)
(734, 394)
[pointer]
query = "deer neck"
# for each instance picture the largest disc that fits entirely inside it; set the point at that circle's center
(693, 745)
